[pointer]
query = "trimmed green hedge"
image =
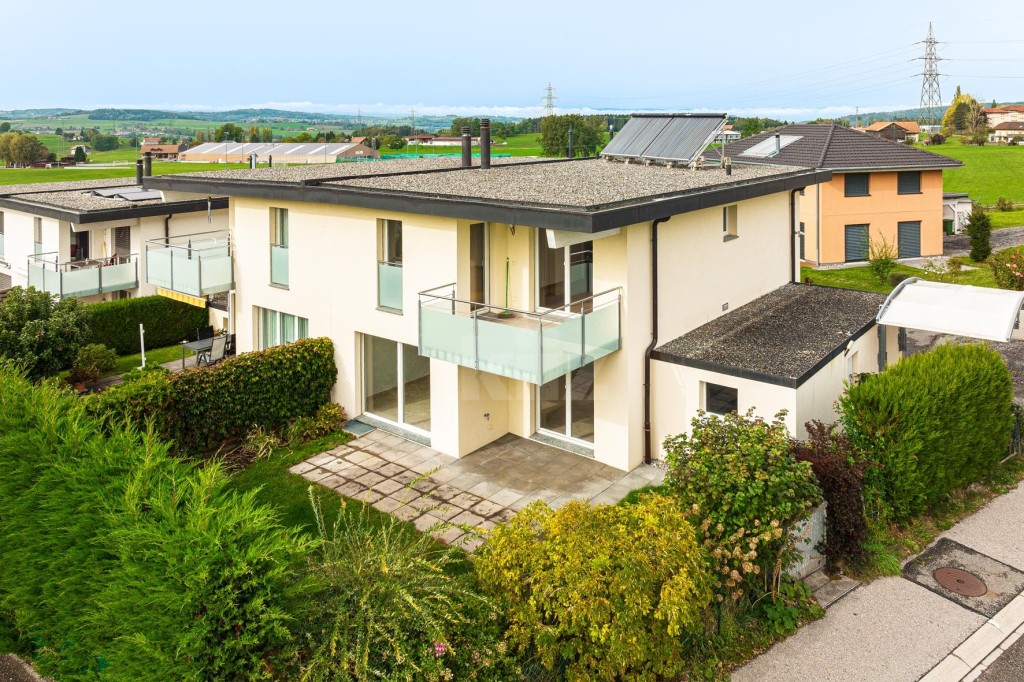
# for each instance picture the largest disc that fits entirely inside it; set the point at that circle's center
(204, 406)
(115, 324)
(124, 563)
(932, 423)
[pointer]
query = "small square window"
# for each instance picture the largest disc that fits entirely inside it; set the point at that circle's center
(720, 399)
(857, 184)
(908, 182)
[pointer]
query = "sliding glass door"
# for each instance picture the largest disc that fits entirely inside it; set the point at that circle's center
(396, 383)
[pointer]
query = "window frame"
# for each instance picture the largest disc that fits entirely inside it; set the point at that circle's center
(719, 389)
(900, 175)
(386, 245)
(730, 222)
(299, 327)
(847, 188)
(279, 238)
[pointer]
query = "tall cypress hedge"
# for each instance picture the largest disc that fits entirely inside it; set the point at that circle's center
(932, 423)
(123, 563)
(115, 324)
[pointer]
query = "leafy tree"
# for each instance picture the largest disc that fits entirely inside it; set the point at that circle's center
(5, 127)
(105, 143)
(752, 126)
(964, 113)
(393, 142)
(40, 332)
(80, 155)
(229, 132)
(266, 135)
(58, 131)
(457, 124)
(979, 228)
(21, 149)
(554, 134)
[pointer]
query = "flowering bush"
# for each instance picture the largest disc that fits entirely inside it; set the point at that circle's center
(1008, 268)
(736, 473)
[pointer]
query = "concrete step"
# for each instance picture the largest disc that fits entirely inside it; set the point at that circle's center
(829, 592)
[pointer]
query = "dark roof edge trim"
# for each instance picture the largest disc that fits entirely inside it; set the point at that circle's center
(464, 208)
(109, 214)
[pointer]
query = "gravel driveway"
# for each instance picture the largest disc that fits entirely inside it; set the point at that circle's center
(960, 244)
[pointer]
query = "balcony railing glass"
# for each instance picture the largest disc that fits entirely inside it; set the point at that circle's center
(389, 285)
(531, 346)
(197, 264)
(83, 277)
(279, 265)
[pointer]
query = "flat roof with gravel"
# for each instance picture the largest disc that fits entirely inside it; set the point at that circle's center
(783, 337)
(40, 187)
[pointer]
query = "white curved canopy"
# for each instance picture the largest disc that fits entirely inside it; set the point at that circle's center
(976, 312)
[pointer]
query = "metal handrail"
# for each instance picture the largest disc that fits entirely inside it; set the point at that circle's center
(216, 239)
(42, 260)
(475, 306)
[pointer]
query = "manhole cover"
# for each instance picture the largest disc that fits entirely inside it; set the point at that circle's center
(960, 581)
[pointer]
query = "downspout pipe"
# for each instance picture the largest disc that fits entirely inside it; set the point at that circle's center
(794, 233)
(167, 229)
(648, 446)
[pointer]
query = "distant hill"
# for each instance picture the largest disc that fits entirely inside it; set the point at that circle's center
(136, 115)
(38, 113)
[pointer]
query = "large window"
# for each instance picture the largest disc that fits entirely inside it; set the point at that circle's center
(396, 383)
(730, 222)
(908, 182)
(389, 265)
(478, 262)
(720, 399)
(276, 328)
(279, 247)
(37, 236)
(856, 243)
(857, 184)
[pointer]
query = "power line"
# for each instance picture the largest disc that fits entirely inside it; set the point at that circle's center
(931, 95)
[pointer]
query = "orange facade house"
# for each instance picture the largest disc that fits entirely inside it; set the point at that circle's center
(880, 190)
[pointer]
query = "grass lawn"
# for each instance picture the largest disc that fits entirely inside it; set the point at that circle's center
(988, 172)
(1000, 219)
(18, 176)
(861, 278)
(154, 356)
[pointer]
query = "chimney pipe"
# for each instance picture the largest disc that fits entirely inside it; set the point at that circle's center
(252, 161)
(138, 171)
(485, 143)
(572, 152)
(270, 161)
(467, 148)
(728, 165)
(147, 164)
(778, 144)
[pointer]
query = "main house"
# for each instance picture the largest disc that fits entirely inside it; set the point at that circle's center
(100, 240)
(593, 304)
(879, 190)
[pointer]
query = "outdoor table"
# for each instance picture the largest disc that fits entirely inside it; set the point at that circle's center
(200, 346)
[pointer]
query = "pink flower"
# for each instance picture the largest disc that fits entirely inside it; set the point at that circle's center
(440, 648)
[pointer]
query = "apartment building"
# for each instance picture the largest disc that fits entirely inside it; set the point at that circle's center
(90, 239)
(553, 300)
(880, 190)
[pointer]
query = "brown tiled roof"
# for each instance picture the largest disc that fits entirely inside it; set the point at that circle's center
(162, 148)
(1010, 125)
(910, 126)
(836, 148)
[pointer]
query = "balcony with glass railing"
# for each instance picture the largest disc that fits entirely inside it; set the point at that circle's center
(196, 265)
(279, 265)
(389, 285)
(85, 277)
(535, 347)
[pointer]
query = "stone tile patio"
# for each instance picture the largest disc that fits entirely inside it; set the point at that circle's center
(433, 491)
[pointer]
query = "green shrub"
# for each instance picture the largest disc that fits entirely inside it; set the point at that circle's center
(205, 406)
(1004, 204)
(738, 475)
(327, 420)
(896, 278)
(39, 332)
(92, 362)
(882, 258)
(166, 321)
(931, 423)
(838, 466)
(607, 591)
(117, 556)
(388, 604)
(1008, 268)
(979, 228)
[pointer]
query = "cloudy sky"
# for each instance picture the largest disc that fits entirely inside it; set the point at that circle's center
(442, 57)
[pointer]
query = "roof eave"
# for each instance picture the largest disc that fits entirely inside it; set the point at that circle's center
(80, 217)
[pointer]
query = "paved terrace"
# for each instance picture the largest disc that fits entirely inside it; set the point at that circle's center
(418, 484)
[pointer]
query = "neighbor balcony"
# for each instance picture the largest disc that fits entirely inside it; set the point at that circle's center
(535, 347)
(85, 277)
(196, 265)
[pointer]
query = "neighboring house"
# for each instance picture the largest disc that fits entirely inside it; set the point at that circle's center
(1010, 113)
(879, 190)
(85, 148)
(150, 140)
(1007, 131)
(956, 211)
(89, 239)
(167, 152)
(728, 135)
(895, 131)
(542, 298)
(448, 141)
(279, 152)
(419, 139)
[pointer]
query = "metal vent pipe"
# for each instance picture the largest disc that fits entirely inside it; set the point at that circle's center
(485, 143)
(147, 164)
(138, 171)
(467, 148)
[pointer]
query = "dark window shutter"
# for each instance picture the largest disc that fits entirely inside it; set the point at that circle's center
(908, 182)
(909, 235)
(857, 184)
(856, 243)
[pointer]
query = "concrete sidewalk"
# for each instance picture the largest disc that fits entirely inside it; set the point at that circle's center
(894, 629)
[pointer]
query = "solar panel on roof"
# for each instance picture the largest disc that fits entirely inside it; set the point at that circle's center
(677, 138)
(114, 191)
(144, 195)
(766, 148)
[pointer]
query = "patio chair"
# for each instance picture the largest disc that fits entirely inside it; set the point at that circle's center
(229, 347)
(216, 353)
(204, 332)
